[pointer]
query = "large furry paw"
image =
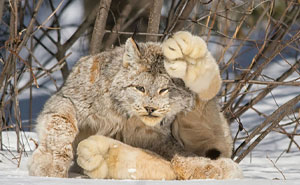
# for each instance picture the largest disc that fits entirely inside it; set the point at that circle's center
(91, 153)
(204, 168)
(103, 157)
(43, 163)
(40, 163)
(187, 58)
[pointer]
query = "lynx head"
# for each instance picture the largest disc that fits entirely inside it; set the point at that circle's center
(143, 88)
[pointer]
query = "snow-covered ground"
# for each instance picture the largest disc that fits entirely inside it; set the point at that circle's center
(258, 167)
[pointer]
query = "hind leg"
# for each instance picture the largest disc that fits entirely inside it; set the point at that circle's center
(103, 157)
(204, 168)
(56, 131)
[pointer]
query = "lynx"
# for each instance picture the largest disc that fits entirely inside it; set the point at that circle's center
(138, 111)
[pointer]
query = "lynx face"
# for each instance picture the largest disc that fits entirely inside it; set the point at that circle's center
(143, 88)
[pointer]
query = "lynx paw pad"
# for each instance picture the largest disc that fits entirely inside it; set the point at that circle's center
(183, 45)
(187, 58)
(184, 53)
(176, 70)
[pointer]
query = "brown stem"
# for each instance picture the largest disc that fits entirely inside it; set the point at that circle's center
(1, 8)
(275, 83)
(117, 27)
(172, 23)
(154, 19)
(185, 14)
(99, 28)
(29, 27)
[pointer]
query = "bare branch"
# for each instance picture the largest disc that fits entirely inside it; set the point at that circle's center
(269, 88)
(99, 28)
(1, 8)
(30, 27)
(138, 33)
(274, 119)
(172, 23)
(185, 14)
(289, 83)
(154, 19)
(117, 27)
(277, 168)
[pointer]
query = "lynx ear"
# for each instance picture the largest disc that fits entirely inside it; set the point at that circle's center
(132, 53)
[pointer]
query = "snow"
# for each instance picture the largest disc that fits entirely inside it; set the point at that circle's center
(131, 170)
(257, 167)
(55, 181)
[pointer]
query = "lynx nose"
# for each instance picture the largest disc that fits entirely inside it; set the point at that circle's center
(150, 110)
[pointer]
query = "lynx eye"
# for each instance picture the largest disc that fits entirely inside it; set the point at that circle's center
(162, 91)
(140, 88)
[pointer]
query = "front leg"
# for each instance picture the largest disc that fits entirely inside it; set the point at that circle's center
(187, 58)
(57, 131)
(103, 157)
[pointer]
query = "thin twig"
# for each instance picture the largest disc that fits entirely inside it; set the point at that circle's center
(294, 132)
(171, 24)
(29, 27)
(289, 83)
(117, 27)
(138, 33)
(277, 168)
(51, 15)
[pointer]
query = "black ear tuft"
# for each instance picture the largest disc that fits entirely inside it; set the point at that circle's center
(212, 153)
(136, 45)
(139, 22)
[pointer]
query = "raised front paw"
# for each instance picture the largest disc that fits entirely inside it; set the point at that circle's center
(187, 58)
(183, 45)
(45, 162)
(181, 50)
(204, 168)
